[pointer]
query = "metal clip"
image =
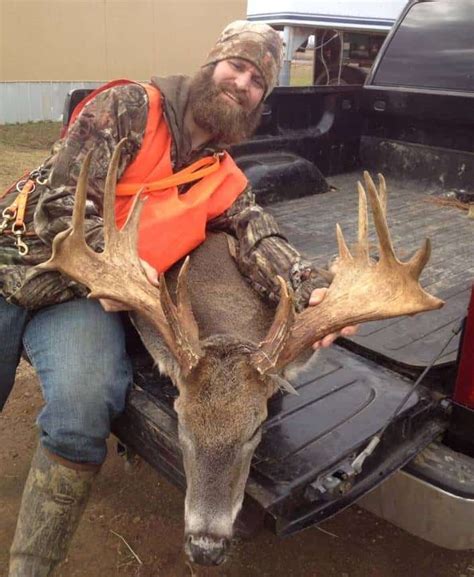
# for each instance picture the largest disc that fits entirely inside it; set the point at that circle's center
(42, 179)
(7, 217)
(4, 224)
(19, 231)
(20, 185)
(39, 175)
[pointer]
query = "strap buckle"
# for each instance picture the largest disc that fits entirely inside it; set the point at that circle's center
(16, 212)
(19, 231)
(7, 216)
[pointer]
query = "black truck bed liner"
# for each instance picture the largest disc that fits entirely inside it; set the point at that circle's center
(404, 344)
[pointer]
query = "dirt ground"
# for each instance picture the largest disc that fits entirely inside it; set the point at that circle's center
(140, 511)
(143, 509)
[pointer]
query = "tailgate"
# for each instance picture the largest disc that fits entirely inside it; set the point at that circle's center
(298, 473)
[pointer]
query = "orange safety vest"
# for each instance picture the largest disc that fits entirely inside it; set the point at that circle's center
(171, 224)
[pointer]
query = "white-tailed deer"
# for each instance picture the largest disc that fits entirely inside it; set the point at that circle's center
(223, 347)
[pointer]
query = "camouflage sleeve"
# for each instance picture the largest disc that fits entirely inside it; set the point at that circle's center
(263, 252)
(116, 113)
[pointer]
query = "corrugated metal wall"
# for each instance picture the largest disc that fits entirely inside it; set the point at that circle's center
(33, 101)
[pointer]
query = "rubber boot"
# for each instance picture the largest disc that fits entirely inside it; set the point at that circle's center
(53, 500)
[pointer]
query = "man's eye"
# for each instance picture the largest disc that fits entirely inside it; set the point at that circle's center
(235, 65)
(258, 82)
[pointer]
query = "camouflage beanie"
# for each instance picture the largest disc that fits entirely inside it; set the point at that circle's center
(253, 41)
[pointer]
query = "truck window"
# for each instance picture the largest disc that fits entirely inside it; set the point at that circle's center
(433, 48)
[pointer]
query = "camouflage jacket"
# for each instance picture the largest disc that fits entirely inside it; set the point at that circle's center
(262, 251)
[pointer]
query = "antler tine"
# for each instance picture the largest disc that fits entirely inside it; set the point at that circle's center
(127, 237)
(344, 252)
(266, 357)
(74, 235)
(110, 229)
(387, 253)
(130, 229)
(417, 263)
(185, 346)
(363, 237)
(77, 221)
(382, 193)
(126, 240)
(185, 311)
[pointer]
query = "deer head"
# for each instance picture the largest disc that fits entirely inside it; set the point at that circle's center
(225, 378)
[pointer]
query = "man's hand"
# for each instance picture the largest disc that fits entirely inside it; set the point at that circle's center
(113, 306)
(317, 296)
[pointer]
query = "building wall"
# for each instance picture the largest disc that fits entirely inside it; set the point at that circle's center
(53, 42)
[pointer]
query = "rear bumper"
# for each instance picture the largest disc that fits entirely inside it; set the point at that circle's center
(439, 510)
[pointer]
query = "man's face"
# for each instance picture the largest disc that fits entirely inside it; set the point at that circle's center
(226, 100)
(245, 85)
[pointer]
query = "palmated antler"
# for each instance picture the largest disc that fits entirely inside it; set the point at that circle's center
(362, 290)
(117, 272)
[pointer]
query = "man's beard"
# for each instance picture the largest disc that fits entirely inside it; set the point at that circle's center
(212, 112)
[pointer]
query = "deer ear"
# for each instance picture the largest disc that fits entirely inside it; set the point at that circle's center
(284, 385)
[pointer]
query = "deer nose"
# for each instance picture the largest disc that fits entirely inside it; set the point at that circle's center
(206, 549)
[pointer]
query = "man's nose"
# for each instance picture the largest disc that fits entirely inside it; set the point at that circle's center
(242, 81)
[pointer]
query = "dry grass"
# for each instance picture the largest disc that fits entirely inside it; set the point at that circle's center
(23, 147)
(301, 73)
(31, 135)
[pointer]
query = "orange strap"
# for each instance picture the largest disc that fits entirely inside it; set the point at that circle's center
(18, 207)
(195, 171)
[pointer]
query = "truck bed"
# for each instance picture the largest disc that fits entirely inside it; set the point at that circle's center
(405, 344)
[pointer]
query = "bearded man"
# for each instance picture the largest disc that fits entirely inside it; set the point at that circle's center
(77, 345)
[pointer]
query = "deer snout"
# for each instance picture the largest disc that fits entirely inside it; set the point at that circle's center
(206, 549)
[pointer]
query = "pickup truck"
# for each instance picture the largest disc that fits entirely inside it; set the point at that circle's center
(413, 121)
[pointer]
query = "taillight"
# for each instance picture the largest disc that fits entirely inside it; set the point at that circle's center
(464, 388)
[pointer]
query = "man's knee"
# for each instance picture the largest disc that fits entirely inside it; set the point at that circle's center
(75, 421)
(79, 353)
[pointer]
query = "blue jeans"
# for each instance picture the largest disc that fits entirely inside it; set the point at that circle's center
(78, 351)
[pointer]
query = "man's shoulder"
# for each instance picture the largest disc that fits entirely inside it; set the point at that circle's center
(125, 91)
(115, 101)
(113, 96)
